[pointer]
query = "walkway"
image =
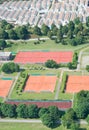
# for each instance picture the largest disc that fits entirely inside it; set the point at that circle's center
(16, 78)
(58, 85)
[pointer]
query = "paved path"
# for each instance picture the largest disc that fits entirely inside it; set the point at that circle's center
(34, 121)
(21, 121)
(34, 39)
(13, 85)
(79, 57)
(58, 85)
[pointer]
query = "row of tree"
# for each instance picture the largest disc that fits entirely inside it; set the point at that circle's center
(51, 116)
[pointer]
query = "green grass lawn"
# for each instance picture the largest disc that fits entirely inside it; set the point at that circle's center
(47, 45)
(65, 96)
(32, 126)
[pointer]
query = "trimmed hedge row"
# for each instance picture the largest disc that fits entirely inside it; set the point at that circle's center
(63, 84)
(21, 81)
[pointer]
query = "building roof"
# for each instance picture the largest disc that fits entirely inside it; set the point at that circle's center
(5, 53)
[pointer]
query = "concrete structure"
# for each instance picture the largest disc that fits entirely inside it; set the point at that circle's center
(4, 56)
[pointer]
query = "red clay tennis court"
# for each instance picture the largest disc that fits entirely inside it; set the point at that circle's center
(77, 83)
(5, 86)
(40, 83)
(42, 57)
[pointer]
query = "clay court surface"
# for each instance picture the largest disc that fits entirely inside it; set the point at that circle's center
(40, 83)
(42, 57)
(77, 83)
(5, 86)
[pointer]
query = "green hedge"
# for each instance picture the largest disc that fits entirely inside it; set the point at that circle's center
(21, 81)
(63, 84)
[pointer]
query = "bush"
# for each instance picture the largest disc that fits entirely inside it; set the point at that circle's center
(63, 84)
(87, 68)
(10, 67)
(51, 64)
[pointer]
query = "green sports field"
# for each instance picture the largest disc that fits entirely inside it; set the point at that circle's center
(48, 45)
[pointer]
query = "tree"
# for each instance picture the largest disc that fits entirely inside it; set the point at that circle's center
(51, 64)
(21, 32)
(65, 29)
(85, 32)
(53, 26)
(45, 29)
(79, 40)
(8, 110)
(87, 21)
(3, 44)
(87, 119)
(87, 68)
(3, 34)
(49, 120)
(12, 34)
(68, 118)
(54, 31)
(71, 26)
(59, 35)
(43, 111)
(80, 26)
(9, 26)
(50, 34)
(70, 34)
(81, 105)
(22, 111)
(72, 42)
(74, 126)
(76, 30)
(10, 67)
(77, 20)
(37, 30)
(3, 24)
(33, 111)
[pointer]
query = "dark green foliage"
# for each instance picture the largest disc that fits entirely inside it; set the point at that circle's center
(50, 34)
(63, 84)
(73, 64)
(45, 29)
(3, 44)
(59, 35)
(37, 30)
(87, 68)
(71, 26)
(33, 111)
(87, 119)
(65, 29)
(3, 34)
(81, 105)
(70, 34)
(80, 26)
(87, 21)
(77, 20)
(10, 67)
(51, 64)
(75, 126)
(43, 111)
(21, 32)
(12, 34)
(8, 110)
(68, 118)
(22, 111)
(51, 118)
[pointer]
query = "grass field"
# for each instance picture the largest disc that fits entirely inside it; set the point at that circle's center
(47, 45)
(32, 126)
